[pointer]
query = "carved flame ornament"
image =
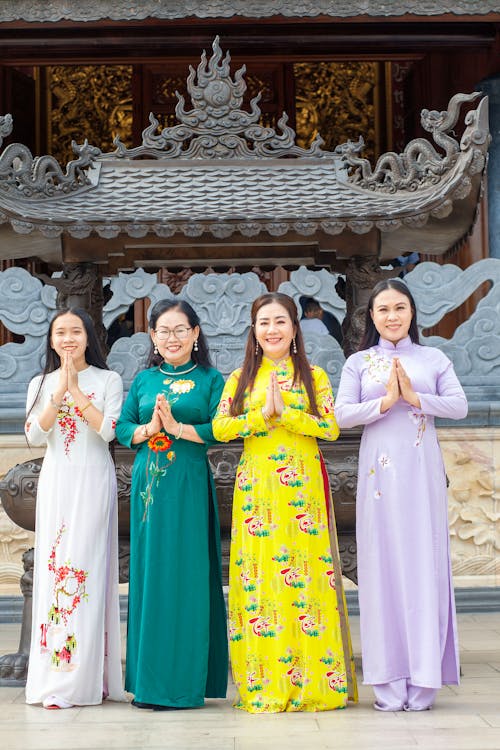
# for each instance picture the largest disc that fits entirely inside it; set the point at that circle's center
(217, 127)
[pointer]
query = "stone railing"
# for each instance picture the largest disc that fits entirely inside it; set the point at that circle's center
(223, 302)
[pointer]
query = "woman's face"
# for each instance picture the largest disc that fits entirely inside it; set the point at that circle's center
(68, 336)
(174, 337)
(392, 315)
(274, 330)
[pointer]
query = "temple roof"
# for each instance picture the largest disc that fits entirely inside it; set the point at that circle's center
(123, 10)
(219, 173)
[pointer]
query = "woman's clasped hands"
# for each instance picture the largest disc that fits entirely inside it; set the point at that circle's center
(162, 417)
(68, 379)
(399, 386)
(274, 400)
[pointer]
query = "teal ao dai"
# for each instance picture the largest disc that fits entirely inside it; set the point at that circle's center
(177, 643)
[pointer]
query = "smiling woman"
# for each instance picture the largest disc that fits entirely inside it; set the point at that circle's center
(177, 643)
(75, 655)
(392, 314)
(288, 629)
(395, 388)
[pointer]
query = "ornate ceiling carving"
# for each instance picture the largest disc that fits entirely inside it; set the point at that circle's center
(128, 10)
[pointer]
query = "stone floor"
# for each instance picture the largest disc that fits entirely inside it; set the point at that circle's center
(464, 718)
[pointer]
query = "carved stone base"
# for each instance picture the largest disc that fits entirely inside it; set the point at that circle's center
(348, 556)
(14, 667)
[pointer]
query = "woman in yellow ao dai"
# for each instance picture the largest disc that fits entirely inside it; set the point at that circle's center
(289, 636)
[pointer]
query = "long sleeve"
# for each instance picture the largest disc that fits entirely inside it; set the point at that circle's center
(449, 401)
(299, 421)
(350, 410)
(34, 433)
(225, 427)
(113, 398)
(205, 430)
(129, 418)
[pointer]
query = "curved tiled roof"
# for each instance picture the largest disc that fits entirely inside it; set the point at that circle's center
(219, 172)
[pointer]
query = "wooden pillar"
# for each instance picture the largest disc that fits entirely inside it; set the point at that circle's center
(81, 286)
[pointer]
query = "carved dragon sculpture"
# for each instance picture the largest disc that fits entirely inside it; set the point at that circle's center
(21, 173)
(419, 163)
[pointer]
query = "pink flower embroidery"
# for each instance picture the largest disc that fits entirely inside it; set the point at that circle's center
(384, 461)
(68, 593)
(67, 420)
(420, 420)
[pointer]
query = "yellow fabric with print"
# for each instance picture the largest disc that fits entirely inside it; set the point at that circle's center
(288, 630)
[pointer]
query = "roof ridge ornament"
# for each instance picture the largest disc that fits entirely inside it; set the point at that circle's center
(41, 176)
(420, 164)
(217, 127)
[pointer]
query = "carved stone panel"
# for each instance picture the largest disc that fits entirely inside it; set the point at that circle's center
(472, 459)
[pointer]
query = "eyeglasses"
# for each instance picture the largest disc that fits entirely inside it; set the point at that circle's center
(181, 332)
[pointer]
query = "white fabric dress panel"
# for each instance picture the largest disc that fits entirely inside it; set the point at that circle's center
(75, 650)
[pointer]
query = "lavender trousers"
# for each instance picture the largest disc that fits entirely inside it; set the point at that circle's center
(402, 695)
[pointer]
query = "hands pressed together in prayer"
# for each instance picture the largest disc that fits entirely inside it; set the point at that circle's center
(162, 418)
(68, 379)
(68, 383)
(274, 400)
(163, 413)
(399, 386)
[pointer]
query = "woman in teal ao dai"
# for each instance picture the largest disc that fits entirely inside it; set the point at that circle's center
(177, 642)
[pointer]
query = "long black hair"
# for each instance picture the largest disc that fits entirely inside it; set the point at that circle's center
(253, 354)
(93, 352)
(200, 357)
(371, 335)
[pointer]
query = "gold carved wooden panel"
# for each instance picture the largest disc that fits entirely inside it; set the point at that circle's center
(341, 101)
(87, 101)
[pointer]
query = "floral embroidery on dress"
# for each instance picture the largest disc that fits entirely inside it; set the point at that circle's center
(69, 591)
(182, 386)
(289, 476)
(337, 678)
(328, 405)
(377, 494)
(156, 468)
(384, 461)
(66, 418)
(307, 524)
(283, 614)
(266, 624)
(421, 421)
(310, 622)
(378, 366)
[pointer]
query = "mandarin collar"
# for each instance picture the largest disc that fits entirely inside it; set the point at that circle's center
(405, 343)
(284, 363)
(177, 368)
